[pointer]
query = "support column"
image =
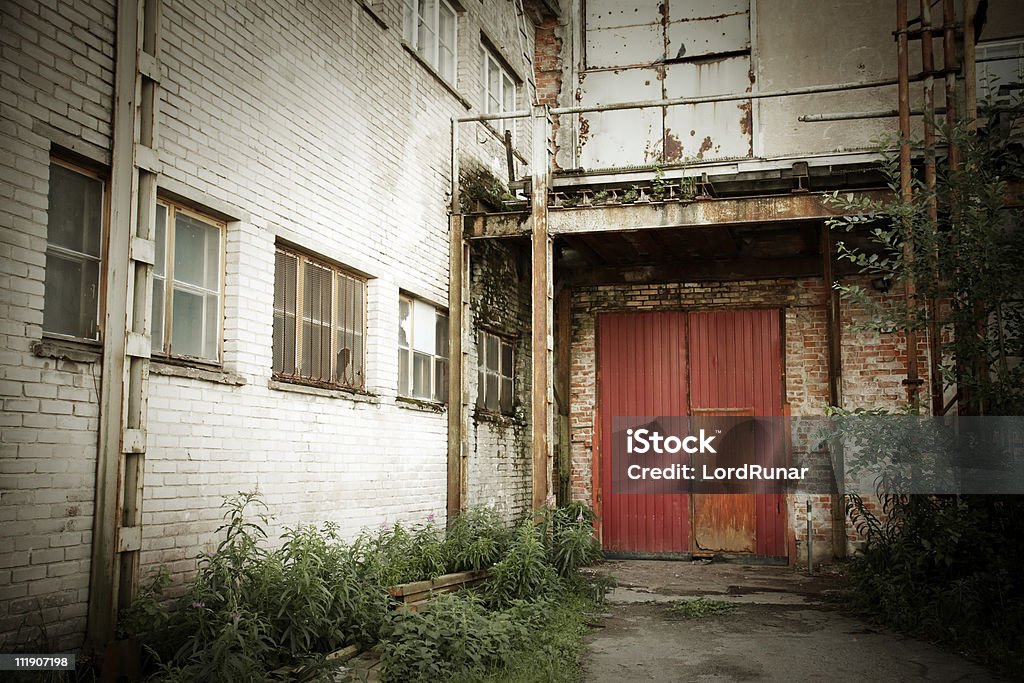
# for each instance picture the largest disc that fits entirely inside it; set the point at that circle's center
(458, 315)
(117, 519)
(541, 307)
(833, 332)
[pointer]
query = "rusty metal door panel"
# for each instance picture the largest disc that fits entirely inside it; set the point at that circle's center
(642, 371)
(712, 130)
(622, 34)
(706, 36)
(736, 366)
(620, 138)
(624, 46)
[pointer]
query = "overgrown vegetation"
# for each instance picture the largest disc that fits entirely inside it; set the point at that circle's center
(252, 612)
(948, 566)
(699, 608)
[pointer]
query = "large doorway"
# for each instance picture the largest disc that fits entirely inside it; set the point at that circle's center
(706, 363)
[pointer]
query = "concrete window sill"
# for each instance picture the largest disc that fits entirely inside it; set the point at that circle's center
(64, 349)
(433, 72)
(349, 394)
(420, 405)
(168, 368)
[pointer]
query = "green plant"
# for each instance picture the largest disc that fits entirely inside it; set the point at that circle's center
(569, 531)
(631, 195)
(699, 608)
(524, 572)
(476, 539)
(479, 184)
(659, 186)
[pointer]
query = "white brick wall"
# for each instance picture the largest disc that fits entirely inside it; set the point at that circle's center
(315, 126)
(56, 63)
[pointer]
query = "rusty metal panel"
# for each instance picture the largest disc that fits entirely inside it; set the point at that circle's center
(736, 365)
(620, 138)
(696, 37)
(642, 370)
(715, 129)
(621, 34)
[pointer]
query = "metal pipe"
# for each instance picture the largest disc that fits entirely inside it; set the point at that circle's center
(810, 541)
(927, 65)
(853, 115)
(903, 65)
(734, 97)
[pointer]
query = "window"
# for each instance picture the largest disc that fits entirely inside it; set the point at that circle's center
(74, 241)
(422, 350)
(319, 322)
(429, 27)
(187, 284)
(494, 375)
(499, 91)
(1000, 72)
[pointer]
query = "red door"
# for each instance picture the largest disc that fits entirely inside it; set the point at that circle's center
(700, 363)
(642, 359)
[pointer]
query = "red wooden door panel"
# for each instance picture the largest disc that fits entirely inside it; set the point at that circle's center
(642, 360)
(736, 367)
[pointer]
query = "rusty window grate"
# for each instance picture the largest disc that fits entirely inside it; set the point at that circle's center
(422, 350)
(319, 322)
(495, 373)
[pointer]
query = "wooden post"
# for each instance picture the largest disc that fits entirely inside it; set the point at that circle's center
(458, 407)
(541, 309)
(562, 368)
(120, 462)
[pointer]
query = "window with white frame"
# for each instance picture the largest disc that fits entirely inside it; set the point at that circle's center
(1000, 72)
(187, 282)
(494, 373)
(319, 322)
(422, 350)
(499, 91)
(429, 26)
(74, 248)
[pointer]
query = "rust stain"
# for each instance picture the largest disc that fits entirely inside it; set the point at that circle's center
(745, 117)
(673, 147)
(704, 147)
(692, 133)
(584, 130)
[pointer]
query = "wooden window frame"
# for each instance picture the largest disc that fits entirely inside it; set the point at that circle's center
(304, 261)
(101, 260)
(501, 374)
(438, 360)
(412, 19)
(163, 348)
(491, 58)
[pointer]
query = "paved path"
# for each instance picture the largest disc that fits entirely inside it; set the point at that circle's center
(782, 629)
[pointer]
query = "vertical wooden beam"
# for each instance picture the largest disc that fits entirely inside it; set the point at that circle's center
(563, 362)
(457, 398)
(541, 309)
(104, 568)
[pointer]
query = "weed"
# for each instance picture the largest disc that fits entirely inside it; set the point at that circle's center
(699, 608)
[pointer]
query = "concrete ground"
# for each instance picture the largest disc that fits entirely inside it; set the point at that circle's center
(782, 629)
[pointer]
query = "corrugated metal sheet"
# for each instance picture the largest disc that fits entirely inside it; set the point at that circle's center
(736, 363)
(642, 360)
(699, 363)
